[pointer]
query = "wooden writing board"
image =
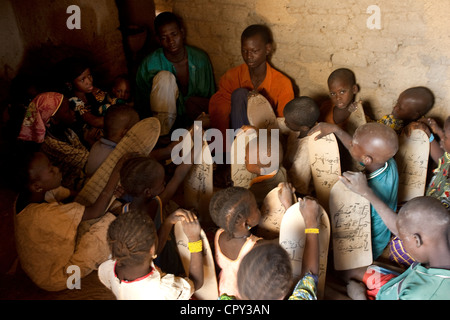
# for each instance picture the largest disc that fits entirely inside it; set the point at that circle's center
(260, 113)
(240, 176)
(163, 100)
(356, 119)
(324, 244)
(272, 212)
(412, 164)
(325, 165)
(351, 228)
(297, 156)
(141, 139)
(209, 290)
(292, 239)
(198, 185)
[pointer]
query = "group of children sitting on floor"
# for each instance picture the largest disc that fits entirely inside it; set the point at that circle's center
(70, 134)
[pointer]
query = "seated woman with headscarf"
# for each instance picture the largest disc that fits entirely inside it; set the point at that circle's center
(47, 122)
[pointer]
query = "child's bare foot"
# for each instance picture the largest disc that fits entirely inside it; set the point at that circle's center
(356, 290)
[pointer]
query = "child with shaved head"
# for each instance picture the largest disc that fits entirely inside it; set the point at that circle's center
(300, 115)
(412, 104)
(408, 114)
(342, 88)
(119, 118)
(373, 145)
(423, 225)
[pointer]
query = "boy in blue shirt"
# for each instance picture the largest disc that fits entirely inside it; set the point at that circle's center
(374, 146)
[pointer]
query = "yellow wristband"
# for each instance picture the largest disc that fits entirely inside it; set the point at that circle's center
(312, 230)
(196, 246)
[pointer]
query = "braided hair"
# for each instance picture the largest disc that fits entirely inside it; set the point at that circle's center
(228, 207)
(130, 238)
(265, 273)
(139, 173)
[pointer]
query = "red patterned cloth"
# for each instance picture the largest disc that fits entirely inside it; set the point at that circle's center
(37, 116)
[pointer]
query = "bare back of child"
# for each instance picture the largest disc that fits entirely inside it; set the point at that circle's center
(235, 211)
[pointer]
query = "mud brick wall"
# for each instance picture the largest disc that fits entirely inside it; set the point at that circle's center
(314, 37)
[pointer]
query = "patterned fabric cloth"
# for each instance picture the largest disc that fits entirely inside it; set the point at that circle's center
(439, 185)
(390, 121)
(226, 297)
(306, 288)
(88, 133)
(69, 156)
(398, 254)
(37, 116)
(104, 102)
(98, 102)
(78, 105)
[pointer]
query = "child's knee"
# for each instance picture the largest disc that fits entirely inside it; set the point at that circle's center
(239, 97)
(164, 77)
